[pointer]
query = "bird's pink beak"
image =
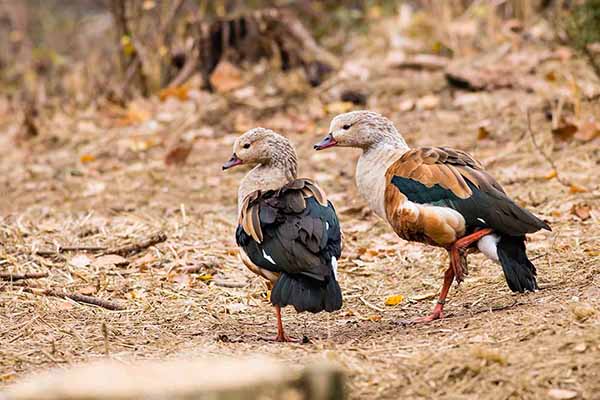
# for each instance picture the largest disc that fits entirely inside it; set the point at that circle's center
(233, 161)
(328, 141)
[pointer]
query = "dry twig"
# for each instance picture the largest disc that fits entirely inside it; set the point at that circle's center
(68, 249)
(139, 246)
(371, 305)
(80, 298)
(125, 250)
(7, 276)
(229, 284)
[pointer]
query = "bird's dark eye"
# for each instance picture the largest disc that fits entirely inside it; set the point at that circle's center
(246, 146)
(346, 127)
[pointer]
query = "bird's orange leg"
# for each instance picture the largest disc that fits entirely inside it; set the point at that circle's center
(281, 336)
(459, 246)
(438, 310)
(454, 270)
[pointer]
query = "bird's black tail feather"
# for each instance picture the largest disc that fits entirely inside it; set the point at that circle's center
(307, 294)
(518, 270)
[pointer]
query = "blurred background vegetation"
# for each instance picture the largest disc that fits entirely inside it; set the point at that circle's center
(84, 50)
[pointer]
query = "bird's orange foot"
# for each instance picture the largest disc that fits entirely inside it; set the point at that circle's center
(288, 339)
(280, 339)
(283, 338)
(437, 313)
(424, 320)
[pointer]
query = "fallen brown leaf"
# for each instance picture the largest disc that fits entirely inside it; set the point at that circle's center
(482, 133)
(565, 131)
(581, 210)
(226, 77)
(178, 154)
(180, 92)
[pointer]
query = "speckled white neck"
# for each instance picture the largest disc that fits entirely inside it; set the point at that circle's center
(370, 173)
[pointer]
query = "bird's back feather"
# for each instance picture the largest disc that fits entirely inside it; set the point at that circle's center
(294, 231)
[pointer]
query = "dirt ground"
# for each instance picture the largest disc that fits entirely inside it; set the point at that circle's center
(97, 177)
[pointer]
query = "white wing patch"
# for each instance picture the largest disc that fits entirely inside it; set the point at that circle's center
(488, 246)
(268, 257)
(481, 220)
(334, 266)
(326, 225)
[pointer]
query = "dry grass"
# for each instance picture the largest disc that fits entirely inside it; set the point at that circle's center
(97, 178)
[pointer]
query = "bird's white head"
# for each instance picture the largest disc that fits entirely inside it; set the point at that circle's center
(362, 129)
(266, 147)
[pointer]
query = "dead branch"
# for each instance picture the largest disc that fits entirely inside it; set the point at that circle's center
(188, 69)
(139, 246)
(267, 33)
(125, 250)
(370, 305)
(229, 284)
(80, 298)
(131, 62)
(45, 253)
(7, 276)
(548, 159)
(165, 26)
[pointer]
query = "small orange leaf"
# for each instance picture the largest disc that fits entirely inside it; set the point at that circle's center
(133, 116)
(550, 76)
(482, 133)
(375, 318)
(87, 158)
(394, 300)
(575, 188)
(551, 175)
(180, 92)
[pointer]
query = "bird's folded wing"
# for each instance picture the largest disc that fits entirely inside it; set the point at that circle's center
(293, 229)
(448, 168)
(452, 178)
